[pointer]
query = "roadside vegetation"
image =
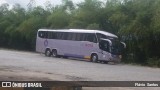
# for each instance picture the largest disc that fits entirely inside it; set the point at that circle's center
(136, 22)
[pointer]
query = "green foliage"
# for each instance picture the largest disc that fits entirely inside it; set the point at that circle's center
(93, 26)
(58, 19)
(136, 22)
(77, 24)
(154, 62)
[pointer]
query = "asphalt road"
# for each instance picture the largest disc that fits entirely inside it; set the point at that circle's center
(19, 65)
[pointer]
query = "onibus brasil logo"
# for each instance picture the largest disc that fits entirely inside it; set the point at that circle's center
(17, 84)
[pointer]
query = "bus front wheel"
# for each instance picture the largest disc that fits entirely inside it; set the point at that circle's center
(94, 57)
(48, 52)
(54, 53)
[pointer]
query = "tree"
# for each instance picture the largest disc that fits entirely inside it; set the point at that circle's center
(58, 19)
(136, 22)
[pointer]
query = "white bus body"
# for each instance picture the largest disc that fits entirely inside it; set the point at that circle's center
(91, 45)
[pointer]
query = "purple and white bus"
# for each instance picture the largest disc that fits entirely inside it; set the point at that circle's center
(92, 45)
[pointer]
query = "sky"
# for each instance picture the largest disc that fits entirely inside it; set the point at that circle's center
(24, 3)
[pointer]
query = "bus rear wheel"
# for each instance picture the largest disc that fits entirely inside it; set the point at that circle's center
(94, 57)
(48, 52)
(54, 53)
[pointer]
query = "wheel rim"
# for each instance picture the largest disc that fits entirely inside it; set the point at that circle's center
(94, 58)
(48, 53)
(54, 53)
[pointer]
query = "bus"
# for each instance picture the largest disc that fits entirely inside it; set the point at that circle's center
(91, 45)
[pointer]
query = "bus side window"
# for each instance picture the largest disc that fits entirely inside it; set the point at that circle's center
(78, 36)
(104, 45)
(59, 35)
(69, 36)
(73, 36)
(41, 34)
(64, 35)
(91, 37)
(94, 38)
(99, 36)
(83, 37)
(46, 35)
(53, 35)
(49, 35)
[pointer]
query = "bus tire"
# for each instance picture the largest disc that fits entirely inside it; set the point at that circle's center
(54, 53)
(105, 62)
(48, 52)
(94, 57)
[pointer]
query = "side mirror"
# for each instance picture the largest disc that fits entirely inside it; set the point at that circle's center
(124, 45)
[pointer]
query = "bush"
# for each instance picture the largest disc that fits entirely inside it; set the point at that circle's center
(154, 62)
(128, 58)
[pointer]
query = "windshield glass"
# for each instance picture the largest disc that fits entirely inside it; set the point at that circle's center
(104, 45)
(116, 47)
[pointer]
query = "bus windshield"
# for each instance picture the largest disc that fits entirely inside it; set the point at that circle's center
(104, 45)
(117, 47)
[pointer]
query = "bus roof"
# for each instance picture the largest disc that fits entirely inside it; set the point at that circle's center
(81, 31)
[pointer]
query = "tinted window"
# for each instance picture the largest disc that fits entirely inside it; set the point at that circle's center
(64, 35)
(99, 36)
(78, 36)
(68, 36)
(71, 36)
(83, 36)
(43, 34)
(104, 45)
(91, 37)
(59, 35)
(51, 35)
